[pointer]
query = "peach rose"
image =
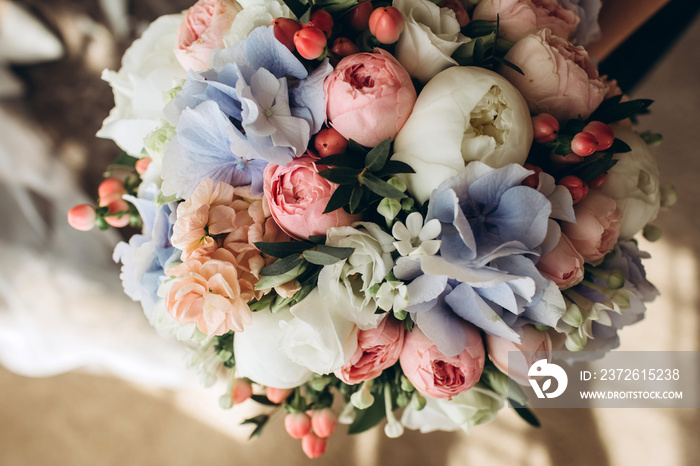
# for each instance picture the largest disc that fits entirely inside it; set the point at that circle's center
(377, 349)
(369, 97)
(298, 195)
(534, 345)
(597, 226)
(563, 264)
(439, 376)
(203, 30)
(519, 18)
(558, 79)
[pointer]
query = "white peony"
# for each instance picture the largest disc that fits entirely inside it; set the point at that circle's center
(260, 356)
(430, 36)
(634, 184)
(255, 13)
(149, 70)
(462, 114)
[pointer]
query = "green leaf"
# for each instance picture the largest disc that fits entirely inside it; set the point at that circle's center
(271, 281)
(376, 158)
(279, 302)
(356, 148)
(356, 198)
(525, 413)
(317, 239)
(262, 303)
(342, 160)
(593, 166)
(335, 251)
(341, 175)
(619, 146)
(259, 422)
(621, 110)
(282, 249)
(509, 64)
(319, 258)
(298, 7)
(365, 419)
(574, 126)
(283, 266)
(478, 51)
(392, 167)
(262, 399)
(380, 187)
(479, 27)
(340, 198)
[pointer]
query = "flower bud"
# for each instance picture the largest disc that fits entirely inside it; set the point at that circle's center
(359, 16)
(573, 316)
(297, 425)
(577, 188)
(111, 186)
(324, 422)
(363, 398)
(651, 233)
(575, 341)
(116, 205)
(322, 20)
(389, 208)
(669, 195)
(142, 165)
(602, 133)
(278, 395)
(386, 24)
(328, 141)
(533, 181)
(545, 128)
(284, 30)
(343, 46)
(310, 42)
(241, 391)
(584, 144)
(82, 217)
(313, 446)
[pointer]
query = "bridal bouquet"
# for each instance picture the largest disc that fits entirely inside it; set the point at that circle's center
(355, 211)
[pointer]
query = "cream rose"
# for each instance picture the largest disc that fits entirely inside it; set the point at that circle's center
(462, 114)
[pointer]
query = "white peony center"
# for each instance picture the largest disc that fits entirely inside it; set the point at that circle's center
(488, 125)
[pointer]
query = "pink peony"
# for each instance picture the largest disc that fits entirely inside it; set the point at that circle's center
(519, 18)
(203, 30)
(563, 264)
(597, 226)
(369, 97)
(298, 195)
(377, 349)
(515, 359)
(558, 79)
(439, 376)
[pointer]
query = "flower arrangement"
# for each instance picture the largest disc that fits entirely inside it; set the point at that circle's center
(355, 211)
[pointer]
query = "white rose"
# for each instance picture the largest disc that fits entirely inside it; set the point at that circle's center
(255, 13)
(430, 37)
(260, 356)
(319, 337)
(634, 184)
(468, 409)
(462, 114)
(346, 284)
(149, 70)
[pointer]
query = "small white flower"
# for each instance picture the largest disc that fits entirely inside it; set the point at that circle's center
(392, 295)
(415, 238)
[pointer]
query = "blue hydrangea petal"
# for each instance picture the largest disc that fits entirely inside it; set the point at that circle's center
(468, 305)
(443, 328)
(308, 100)
(522, 215)
(264, 51)
(488, 189)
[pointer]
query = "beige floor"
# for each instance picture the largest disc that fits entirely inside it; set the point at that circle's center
(80, 419)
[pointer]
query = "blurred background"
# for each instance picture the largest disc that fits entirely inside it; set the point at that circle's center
(84, 379)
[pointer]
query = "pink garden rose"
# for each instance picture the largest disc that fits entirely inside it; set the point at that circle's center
(558, 78)
(298, 195)
(515, 359)
(519, 18)
(377, 349)
(597, 226)
(202, 30)
(563, 264)
(369, 97)
(439, 376)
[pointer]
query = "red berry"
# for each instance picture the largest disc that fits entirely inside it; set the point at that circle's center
(284, 30)
(310, 42)
(323, 422)
(386, 24)
(116, 205)
(330, 142)
(602, 133)
(545, 128)
(344, 47)
(111, 186)
(533, 180)
(142, 165)
(82, 217)
(584, 144)
(322, 20)
(359, 16)
(242, 390)
(297, 425)
(313, 446)
(576, 186)
(598, 181)
(568, 159)
(278, 395)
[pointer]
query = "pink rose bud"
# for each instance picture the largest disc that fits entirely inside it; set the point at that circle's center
(584, 144)
(310, 42)
(242, 390)
(111, 186)
(359, 16)
(330, 142)
(597, 227)
(297, 425)
(323, 422)
(386, 24)
(322, 20)
(142, 165)
(563, 264)
(545, 128)
(515, 359)
(116, 205)
(313, 446)
(576, 186)
(284, 30)
(278, 395)
(598, 181)
(82, 217)
(343, 46)
(533, 181)
(460, 13)
(602, 133)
